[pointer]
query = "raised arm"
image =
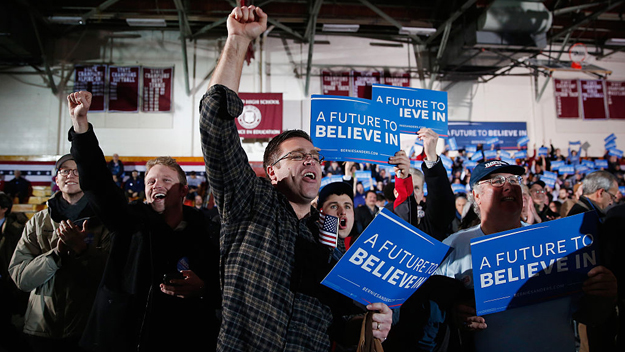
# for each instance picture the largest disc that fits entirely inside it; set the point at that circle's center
(106, 199)
(227, 167)
(245, 24)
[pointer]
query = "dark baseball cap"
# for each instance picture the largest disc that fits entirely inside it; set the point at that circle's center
(494, 166)
(63, 159)
(539, 182)
(338, 188)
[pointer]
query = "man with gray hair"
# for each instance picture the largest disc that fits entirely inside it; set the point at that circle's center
(540, 327)
(600, 190)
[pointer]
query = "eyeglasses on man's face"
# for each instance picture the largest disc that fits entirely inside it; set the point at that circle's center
(300, 156)
(66, 172)
(614, 197)
(498, 181)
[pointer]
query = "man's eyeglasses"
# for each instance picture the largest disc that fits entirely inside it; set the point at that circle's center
(299, 156)
(614, 198)
(66, 172)
(539, 191)
(498, 181)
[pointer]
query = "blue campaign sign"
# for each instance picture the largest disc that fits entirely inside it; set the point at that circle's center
(622, 190)
(549, 174)
(477, 156)
(543, 151)
(508, 160)
(490, 154)
(352, 129)
(474, 133)
(447, 162)
(469, 164)
(364, 176)
(533, 264)
(492, 141)
(556, 165)
(520, 154)
(452, 144)
(566, 169)
(588, 163)
(471, 148)
(600, 163)
(582, 169)
(416, 164)
(616, 152)
(610, 145)
(327, 180)
(523, 141)
(609, 138)
(458, 188)
(388, 262)
(413, 108)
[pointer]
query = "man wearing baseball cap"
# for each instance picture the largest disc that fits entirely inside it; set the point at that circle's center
(59, 260)
(546, 326)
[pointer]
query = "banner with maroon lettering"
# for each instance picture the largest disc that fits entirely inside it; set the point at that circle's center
(335, 83)
(123, 88)
(92, 79)
(262, 115)
(362, 81)
(616, 99)
(567, 98)
(398, 80)
(157, 92)
(593, 99)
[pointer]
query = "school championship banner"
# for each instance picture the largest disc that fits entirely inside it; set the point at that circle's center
(503, 135)
(92, 79)
(616, 99)
(388, 262)
(414, 108)
(567, 98)
(123, 89)
(157, 89)
(352, 129)
(533, 264)
(335, 84)
(261, 116)
(593, 99)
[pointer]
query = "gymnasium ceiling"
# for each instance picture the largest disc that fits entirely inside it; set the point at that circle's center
(453, 40)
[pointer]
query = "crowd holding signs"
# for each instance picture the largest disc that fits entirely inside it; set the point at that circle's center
(391, 259)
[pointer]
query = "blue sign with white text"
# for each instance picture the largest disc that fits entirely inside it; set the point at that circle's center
(507, 133)
(352, 129)
(533, 264)
(388, 262)
(413, 108)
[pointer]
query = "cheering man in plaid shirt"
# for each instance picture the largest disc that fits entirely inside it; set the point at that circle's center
(272, 262)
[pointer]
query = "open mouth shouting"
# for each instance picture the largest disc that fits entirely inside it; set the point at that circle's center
(310, 175)
(343, 223)
(159, 196)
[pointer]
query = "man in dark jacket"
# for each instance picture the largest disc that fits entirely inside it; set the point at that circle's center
(599, 192)
(137, 306)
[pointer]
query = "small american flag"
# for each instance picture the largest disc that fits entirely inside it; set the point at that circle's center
(328, 230)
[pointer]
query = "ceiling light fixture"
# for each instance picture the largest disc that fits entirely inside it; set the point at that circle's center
(615, 41)
(351, 28)
(417, 31)
(66, 19)
(146, 22)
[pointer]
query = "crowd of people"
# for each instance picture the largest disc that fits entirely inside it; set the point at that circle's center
(94, 272)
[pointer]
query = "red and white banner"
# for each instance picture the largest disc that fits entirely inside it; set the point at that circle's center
(567, 98)
(157, 89)
(593, 99)
(616, 99)
(123, 88)
(92, 79)
(398, 80)
(362, 81)
(262, 115)
(335, 83)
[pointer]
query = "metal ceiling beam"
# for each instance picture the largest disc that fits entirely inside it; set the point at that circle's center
(103, 6)
(441, 29)
(419, 61)
(183, 42)
(181, 10)
(591, 17)
(439, 55)
(566, 10)
(208, 27)
(389, 19)
(44, 57)
(286, 29)
(312, 28)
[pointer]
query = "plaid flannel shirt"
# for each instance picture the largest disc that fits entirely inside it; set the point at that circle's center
(269, 292)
